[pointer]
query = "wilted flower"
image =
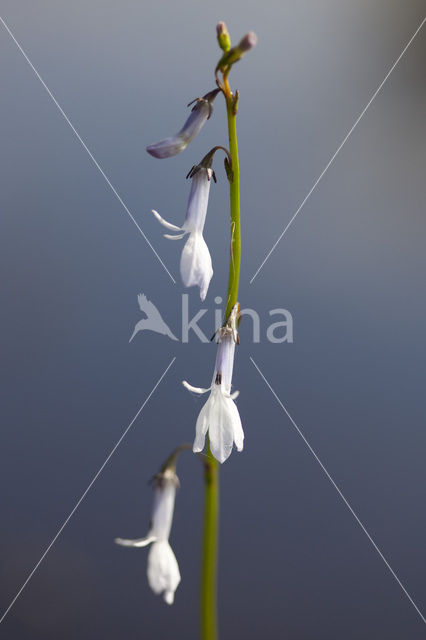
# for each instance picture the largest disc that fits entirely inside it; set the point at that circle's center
(219, 415)
(196, 263)
(163, 571)
(200, 112)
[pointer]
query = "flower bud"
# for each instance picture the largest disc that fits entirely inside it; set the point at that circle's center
(248, 42)
(236, 53)
(223, 37)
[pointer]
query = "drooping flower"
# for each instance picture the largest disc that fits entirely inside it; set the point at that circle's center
(219, 416)
(163, 570)
(196, 263)
(173, 145)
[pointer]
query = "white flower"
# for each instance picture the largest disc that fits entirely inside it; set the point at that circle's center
(163, 571)
(196, 263)
(200, 112)
(219, 415)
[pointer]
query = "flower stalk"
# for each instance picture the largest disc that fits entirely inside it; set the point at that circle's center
(209, 629)
(234, 194)
(209, 623)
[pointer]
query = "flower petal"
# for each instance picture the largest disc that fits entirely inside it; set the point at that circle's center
(175, 144)
(237, 427)
(198, 116)
(194, 389)
(178, 237)
(162, 509)
(163, 570)
(166, 224)
(220, 415)
(168, 147)
(221, 432)
(198, 201)
(202, 426)
(196, 263)
(141, 542)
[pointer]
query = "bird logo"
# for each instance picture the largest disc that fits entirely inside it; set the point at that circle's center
(153, 321)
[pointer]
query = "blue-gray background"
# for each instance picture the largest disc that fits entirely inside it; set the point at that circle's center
(293, 561)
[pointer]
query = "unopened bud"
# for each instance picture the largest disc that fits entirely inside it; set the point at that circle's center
(248, 42)
(223, 37)
(236, 53)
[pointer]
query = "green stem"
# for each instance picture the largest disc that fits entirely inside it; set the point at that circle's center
(211, 475)
(210, 544)
(235, 253)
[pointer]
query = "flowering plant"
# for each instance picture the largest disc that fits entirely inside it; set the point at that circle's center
(218, 426)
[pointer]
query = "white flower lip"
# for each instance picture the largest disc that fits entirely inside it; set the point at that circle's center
(219, 416)
(173, 145)
(163, 570)
(196, 263)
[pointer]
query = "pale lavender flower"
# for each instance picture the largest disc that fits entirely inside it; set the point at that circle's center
(219, 415)
(196, 263)
(200, 113)
(163, 570)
